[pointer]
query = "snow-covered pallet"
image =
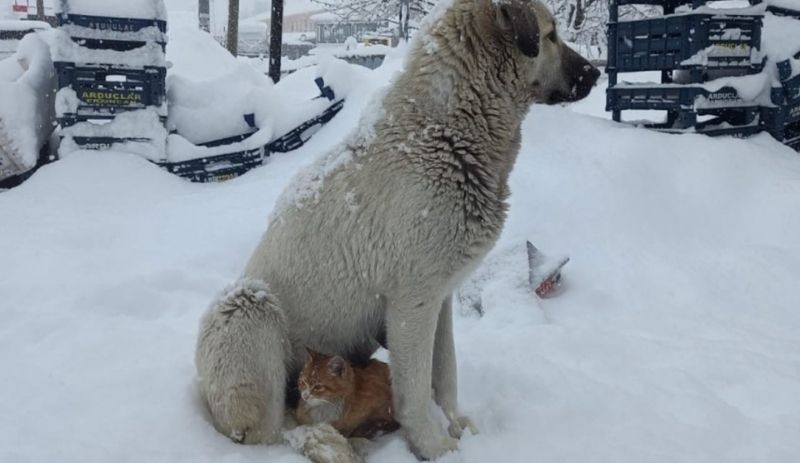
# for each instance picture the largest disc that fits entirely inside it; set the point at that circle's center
(218, 168)
(225, 166)
(233, 155)
(735, 115)
(298, 136)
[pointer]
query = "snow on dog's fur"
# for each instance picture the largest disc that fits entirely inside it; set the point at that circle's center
(399, 214)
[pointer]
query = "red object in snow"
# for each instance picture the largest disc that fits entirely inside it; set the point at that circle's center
(17, 8)
(544, 271)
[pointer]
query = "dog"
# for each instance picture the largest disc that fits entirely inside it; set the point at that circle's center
(367, 244)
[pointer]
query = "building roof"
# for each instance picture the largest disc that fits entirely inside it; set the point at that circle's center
(291, 7)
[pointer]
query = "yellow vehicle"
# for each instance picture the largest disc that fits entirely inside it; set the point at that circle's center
(369, 40)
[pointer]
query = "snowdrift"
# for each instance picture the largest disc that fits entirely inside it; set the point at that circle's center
(27, 90)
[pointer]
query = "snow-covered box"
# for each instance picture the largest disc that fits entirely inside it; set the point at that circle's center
(110, 60)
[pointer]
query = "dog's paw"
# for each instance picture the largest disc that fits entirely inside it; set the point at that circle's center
(459, 424)
(431, 447)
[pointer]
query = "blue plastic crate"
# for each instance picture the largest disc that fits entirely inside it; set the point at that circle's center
(107, 89)
(218, 168)
(667, 43)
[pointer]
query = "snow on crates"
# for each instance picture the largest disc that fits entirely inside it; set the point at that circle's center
(683, 41)
(111, 67)
(716, 62)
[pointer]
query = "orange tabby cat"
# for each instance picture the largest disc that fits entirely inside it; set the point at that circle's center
(357, 401)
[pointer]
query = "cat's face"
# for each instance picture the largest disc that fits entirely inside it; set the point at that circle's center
(324, 379)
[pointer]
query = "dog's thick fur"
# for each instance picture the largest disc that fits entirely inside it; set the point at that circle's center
(374, 253)
(241, 330)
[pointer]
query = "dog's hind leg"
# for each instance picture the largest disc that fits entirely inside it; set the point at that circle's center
(410, 334)
(445, 387)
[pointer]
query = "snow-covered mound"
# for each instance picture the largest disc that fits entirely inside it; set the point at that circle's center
(675, 338)
(206, 104)
(27, 90)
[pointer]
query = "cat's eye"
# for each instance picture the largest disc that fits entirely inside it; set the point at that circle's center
(551, 36)
(317, 388)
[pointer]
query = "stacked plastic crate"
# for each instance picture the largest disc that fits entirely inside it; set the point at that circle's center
(782, 120)
(690, 49)
(111, 76)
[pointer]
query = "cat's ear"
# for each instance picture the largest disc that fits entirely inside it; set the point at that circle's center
(337, 365)
(312, 353)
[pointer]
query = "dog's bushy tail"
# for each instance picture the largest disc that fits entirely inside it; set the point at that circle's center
(241, 359)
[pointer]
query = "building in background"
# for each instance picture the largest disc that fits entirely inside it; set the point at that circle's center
(26, 9)
(330, 28)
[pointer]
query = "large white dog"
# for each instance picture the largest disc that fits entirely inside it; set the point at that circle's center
(369, 244)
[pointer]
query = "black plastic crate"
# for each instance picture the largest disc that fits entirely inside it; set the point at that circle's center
(105, 143)
(791, 85)
(218, 168)
(668, 5)
(791, 136)
(783, 120)
(111, 24)
(666, 43)
(109, 89)
(298, 136)
(673, 97)
(781, 11)
(70, 119)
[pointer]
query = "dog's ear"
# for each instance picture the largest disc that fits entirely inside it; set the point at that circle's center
(517, 18)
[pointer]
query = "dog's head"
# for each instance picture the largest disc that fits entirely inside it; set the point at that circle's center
(552, 71)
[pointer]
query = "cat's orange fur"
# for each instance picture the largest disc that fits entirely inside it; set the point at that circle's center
(357, 401)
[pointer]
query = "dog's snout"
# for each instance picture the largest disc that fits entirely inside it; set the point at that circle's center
(594, 73)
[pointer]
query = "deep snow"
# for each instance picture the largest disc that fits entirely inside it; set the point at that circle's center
(675, 338)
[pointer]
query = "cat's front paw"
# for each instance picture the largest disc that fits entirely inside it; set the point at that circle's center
(458, 424)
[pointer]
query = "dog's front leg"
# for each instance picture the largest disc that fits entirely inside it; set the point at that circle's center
(445, 378)
(410, 334)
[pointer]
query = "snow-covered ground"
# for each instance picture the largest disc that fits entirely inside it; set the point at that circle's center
(676, 338)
